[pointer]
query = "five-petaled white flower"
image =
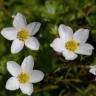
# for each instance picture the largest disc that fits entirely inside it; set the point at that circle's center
(93, 69)
(70, 44)
(23, 76)
(22, 34)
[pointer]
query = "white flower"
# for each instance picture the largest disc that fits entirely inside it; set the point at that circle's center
(23, 76)
(70, 44)
(93, 69)
(22, 33)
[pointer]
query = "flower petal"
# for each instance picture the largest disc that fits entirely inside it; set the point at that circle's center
(36, 76)
(81, 35)
(17, 46)
(57, 45)
(27, 64)
(13, 68)
(85, 49)
(19, 21)
(9, 33)
(65, 32)
(93, 71)
(32, 43)
(91, 67)
(26, 88)
(12, 84)
(69, 55)
(33, 28)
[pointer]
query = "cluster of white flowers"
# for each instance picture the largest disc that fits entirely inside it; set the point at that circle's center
(68, 44)
(22, 34)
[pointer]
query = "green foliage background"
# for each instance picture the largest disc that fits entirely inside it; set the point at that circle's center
(62, 78)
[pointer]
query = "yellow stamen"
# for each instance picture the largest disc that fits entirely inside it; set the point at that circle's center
(23, 77)
(71, 45)
(22, 34)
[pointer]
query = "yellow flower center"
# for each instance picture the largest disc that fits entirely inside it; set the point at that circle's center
(22, 34)
(71, 45)
(23, 77)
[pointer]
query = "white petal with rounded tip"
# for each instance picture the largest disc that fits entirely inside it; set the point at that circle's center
(12, 84)
(27, 88)
(65, 32)
(81, 35)
(33, 28)
(93, 71)
(13, 68)
(85, 49)
(84, 52)
(69, 55)
(36, 76)
(9, 33)
(57, 45)
(19, 21)
(88, 46)
(32, 43)
(17, 46)
(27, 64)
